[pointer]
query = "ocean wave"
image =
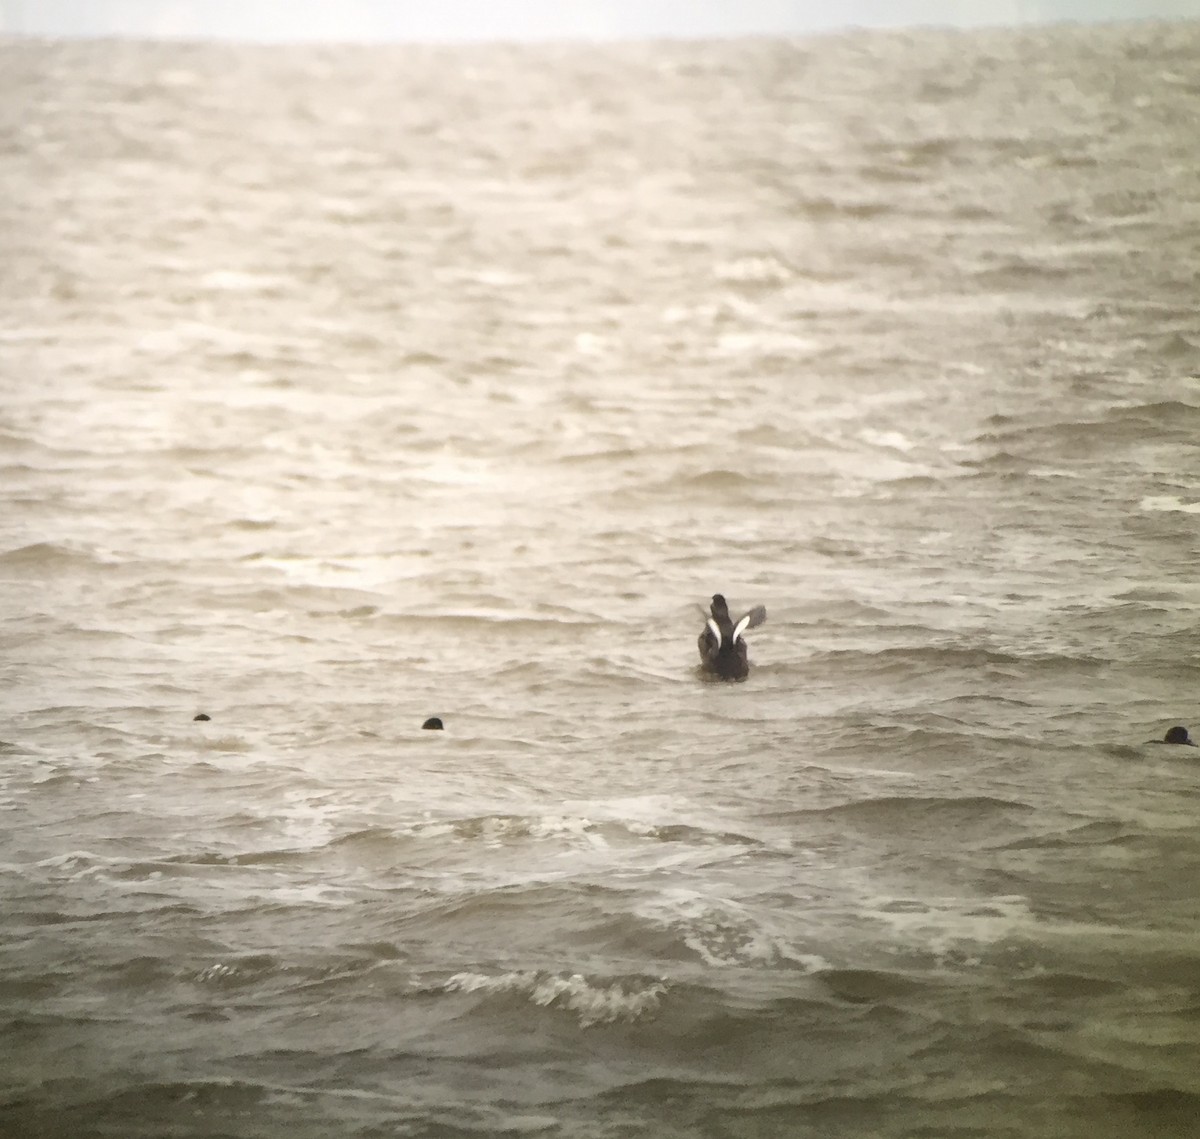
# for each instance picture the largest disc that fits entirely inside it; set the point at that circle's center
(499, 829)
(48, 557)
(433, 842)
(1103, 832)
(932, 806)
(223, 743)
(873, 986)
(718, 483)
(1059, 985)
(1022, 271)
(136, 1104)
(1125, 425)
(857, 208)
(76, 863)
(1165, 1110)
(1169, 503)
(763, 270)
(718, 932)
(1168, 413)
(590, 1000)
(1176, 346)
(240, 972)
(979, 660)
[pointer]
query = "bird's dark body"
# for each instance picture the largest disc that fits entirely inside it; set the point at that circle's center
(722, 646)
(1176, 735)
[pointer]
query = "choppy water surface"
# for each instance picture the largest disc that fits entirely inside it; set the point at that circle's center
(344, 387)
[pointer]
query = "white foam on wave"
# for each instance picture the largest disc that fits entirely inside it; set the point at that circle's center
(75, 864)
(590, 344)
(722, 932)
(597, 825)
(590, 1001)
(237, 281)
(316, 894)
(1169, 502)
(237, 745)
(893, 440)
(761, 270)
(570, 826)
(954, 930)
(765, 343)
(497, 830)
(456, 472)
(306, 825)
(218, 972)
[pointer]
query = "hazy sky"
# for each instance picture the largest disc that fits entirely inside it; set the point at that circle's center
(374, 20)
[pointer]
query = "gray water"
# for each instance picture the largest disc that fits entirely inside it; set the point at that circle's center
(344, 387)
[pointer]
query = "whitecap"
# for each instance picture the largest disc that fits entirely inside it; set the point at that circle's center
(765, 343)
(763, 270)
(592, 1002)
(892, 439)
(722, 932)
(236, 281)
(1169, 502)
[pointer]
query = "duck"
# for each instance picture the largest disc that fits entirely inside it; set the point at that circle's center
(1176, 735)
(722, 646)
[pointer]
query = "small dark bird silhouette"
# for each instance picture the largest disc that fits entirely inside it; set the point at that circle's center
(722, 646)
(202, 716)
(1176, 735)
(434, 724)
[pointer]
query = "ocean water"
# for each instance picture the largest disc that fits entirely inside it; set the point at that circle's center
(343, 387)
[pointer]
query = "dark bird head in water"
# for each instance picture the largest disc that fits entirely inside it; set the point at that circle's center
(202, 716)
(434, 723)
(1178, 735)
(722, 646)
